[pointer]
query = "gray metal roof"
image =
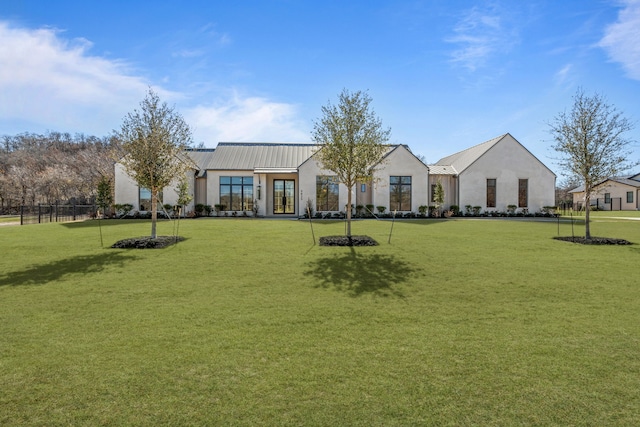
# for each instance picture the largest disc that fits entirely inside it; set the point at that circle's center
(463, 159)
(255, 155)
(201, 156)
(442, 170)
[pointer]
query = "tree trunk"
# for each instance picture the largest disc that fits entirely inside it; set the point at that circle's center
(349, 212)
(587, 230)
(154, 211)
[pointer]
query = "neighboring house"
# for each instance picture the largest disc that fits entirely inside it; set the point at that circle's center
(611, 194)
(281, 180)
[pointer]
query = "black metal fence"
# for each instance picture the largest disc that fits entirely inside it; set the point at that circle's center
(39, 214)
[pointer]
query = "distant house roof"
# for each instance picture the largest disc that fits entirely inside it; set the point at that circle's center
(630, 181)
(259, 156)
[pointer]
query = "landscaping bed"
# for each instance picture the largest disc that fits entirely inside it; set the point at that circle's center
(594, 240)
(147, 242)
(347, 241)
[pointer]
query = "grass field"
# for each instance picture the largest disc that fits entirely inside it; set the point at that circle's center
(455, 322)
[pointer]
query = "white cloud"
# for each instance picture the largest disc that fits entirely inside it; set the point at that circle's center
(621, 39)
(51, 83)
(245, 119)
(480, 34)
(563, 74)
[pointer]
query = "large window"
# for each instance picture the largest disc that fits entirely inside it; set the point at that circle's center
(144, 199)
(236, 192)
(400, 193)
(629, 196)
(327, 193)
(523, 193)
(491, 193)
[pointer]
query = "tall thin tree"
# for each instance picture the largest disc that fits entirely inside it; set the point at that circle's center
(352, 139)
(153, 142)
(591, 141)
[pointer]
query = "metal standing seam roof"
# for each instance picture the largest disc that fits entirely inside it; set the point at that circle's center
(254, 155)
(463, 159)
(441, 170)
(201, 156)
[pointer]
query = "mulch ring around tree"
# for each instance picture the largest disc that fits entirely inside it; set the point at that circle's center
(147, 242)
(594, 240)
(347, 241)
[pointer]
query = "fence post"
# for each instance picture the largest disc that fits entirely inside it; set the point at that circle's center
(39, 213)
(21, 214)
(74, 211)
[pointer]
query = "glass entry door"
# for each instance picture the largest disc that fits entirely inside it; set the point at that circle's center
(284, 193)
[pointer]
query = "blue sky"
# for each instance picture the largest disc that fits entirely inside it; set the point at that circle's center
(443, 74)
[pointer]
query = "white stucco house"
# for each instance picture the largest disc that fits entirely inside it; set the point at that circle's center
(495, 174)
(282, 179)
(611, 194)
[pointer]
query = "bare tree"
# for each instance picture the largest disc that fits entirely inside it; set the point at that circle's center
(590, 139)
(153, 141)
(352, 140)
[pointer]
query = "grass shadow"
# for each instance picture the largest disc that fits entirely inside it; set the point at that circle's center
(361, 273)
(55, 270)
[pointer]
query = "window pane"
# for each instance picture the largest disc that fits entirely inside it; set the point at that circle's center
(327, 193)
(491, 193)
(247, 180)
(400, 193)
(145, 199)
(225, 196)
(523, 190)
(247, 197)
(236, 180)
(225, 180)
(629, 196)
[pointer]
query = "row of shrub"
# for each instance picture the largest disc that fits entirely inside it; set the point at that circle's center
(434, 212)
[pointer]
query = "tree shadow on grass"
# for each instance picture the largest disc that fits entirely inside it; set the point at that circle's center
(55, 270)
(361, 273)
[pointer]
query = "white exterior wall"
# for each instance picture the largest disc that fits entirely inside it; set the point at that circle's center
(308, 172)
(401, 162)
(507, 162)
(126, 190)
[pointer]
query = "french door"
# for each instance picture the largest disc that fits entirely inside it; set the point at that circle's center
(284, 193)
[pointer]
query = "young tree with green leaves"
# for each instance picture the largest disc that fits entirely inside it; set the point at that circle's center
(352, 139)
(591, 141)
(438, 197)
(153, 142)
(104, 196)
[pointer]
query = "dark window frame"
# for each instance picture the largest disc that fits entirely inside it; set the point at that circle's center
(330, 201)
(523, 193)
(236, 193)
(400, 193)
(492, 192)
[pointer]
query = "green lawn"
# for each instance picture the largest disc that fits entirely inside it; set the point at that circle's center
(455, 322)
